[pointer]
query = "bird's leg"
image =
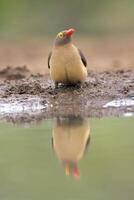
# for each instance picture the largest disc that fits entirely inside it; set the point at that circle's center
(56, 85)
(78, 85)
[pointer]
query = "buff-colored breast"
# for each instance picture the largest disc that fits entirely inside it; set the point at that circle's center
(66, 65)
(70, 141)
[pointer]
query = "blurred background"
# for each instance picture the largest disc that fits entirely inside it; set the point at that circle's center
(105, 31)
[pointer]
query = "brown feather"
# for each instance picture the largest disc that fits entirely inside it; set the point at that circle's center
(49, 57)
(82, 58)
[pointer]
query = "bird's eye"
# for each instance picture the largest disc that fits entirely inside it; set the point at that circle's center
(60, 35)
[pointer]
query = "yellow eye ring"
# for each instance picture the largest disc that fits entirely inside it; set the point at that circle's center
(60, 35)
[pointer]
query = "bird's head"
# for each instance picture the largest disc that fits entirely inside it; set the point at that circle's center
(72, 168)
(64, 37)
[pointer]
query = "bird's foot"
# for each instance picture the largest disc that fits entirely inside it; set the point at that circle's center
(78, 85)
(56, 85)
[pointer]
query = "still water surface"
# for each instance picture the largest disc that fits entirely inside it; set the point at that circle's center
(68, 159)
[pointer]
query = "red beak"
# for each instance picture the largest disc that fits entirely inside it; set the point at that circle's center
(70, 31)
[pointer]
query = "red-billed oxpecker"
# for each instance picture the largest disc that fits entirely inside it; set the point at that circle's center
(66, 62)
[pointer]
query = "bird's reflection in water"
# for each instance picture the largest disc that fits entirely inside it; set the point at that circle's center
(71, 136)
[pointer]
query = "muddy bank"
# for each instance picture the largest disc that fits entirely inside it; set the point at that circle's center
(16, 73)
(33, 97)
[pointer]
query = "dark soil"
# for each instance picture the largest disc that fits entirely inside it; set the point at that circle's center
(17, 73)
(87, 100)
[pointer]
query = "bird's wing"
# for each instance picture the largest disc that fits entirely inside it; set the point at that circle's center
(82, 58)
(49, 57)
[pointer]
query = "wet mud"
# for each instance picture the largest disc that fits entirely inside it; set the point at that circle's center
(25, 97)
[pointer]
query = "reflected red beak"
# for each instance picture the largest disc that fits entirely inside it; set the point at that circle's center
(76, 173)
(70, 31)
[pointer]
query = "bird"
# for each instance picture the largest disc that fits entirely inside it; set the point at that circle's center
(70, 139)
(66, 62)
